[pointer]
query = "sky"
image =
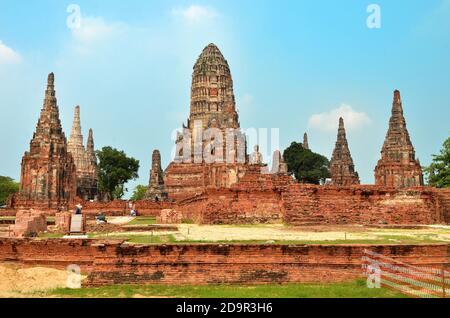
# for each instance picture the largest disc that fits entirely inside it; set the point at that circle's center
(296, 65)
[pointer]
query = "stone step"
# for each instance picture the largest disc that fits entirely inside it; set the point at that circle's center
(76, 223)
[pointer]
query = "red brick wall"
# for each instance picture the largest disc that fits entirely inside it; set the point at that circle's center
(360, 205)
(115, 262)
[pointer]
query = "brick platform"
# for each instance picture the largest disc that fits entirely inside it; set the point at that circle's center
(114, 262)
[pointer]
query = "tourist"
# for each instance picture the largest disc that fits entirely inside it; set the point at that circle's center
(100, 218)
(78, 209)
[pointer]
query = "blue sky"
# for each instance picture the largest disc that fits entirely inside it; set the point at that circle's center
(296, 65)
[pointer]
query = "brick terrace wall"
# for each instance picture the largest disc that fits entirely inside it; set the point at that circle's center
(115, 262)
(360, 205)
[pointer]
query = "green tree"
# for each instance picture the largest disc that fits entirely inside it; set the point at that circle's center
(139, 192)
(114, 170)
(438, 173)
(7, 187)
(305, 165)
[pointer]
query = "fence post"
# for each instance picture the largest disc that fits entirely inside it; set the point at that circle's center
(443, 282)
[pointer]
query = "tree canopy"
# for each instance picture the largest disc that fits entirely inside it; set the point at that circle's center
(305, 165)
(139, 192)
(7, 187)
(438, 173)
(115, 169)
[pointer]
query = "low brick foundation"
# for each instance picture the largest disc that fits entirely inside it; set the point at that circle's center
(115, 262)
(29, 223)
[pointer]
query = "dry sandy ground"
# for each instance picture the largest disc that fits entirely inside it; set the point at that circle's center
(19, 281)
(120, 220)
(280, 232)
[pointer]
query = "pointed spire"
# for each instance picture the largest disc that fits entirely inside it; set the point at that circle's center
(90, 151)
(342, 167)
(49, 125)
(76, 138)
(305, 141)
(397, 138)
(50, 94)
(90, 142)
(156, 190)
(397, 166)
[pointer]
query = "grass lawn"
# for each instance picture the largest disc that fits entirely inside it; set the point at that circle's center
(355, 289)
(143, 220)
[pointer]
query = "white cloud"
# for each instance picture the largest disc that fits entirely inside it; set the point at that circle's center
(8, 55)
(93, 29)
(195, 14)
(328, 121)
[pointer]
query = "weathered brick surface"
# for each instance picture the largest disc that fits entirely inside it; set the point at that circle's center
(169, 216)
(29, 223)
(261, 198)
(360, 205)
(62, 221)
(115, 262)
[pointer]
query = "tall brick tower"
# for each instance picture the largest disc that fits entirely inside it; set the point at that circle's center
(212, 96)
(398, 166)
(211, 152)
(48, 177)
(84, 158)
(212, 107)
(342, 168)
(156, 190)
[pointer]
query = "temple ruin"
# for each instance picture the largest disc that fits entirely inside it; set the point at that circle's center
(85, 159)
(398, 166)
(341, 165)
(211, 150)
(48, 176)
(156, 189)
(305, 142)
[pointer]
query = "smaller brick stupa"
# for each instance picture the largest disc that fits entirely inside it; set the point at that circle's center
(398, 166)
(305, 141)
(156, 189)
(342, 168)
(85, 159)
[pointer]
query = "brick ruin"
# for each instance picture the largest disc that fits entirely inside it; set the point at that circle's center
(240, 191)
(305, 141)
(85, 159)
(398, 166)
(48, 177)
(115, 262)
(212, 108)
(156, 189)
(341, 166)
(29, 223)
